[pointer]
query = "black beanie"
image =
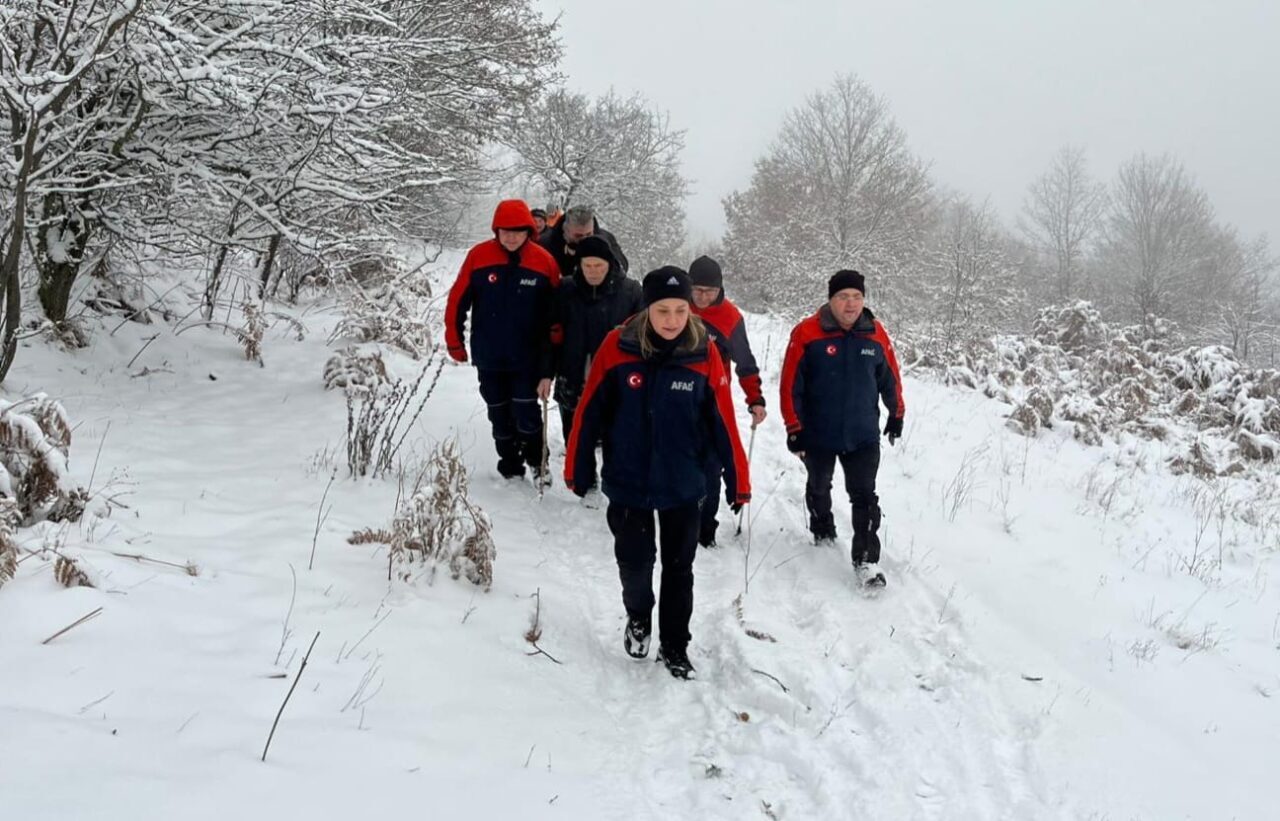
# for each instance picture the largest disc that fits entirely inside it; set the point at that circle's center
(668, 282)
(846, 279)
(538, 212)
(595, 247)
(705, 273)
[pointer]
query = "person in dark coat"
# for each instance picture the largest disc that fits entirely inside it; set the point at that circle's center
(507, 284)
(729, 333)
(840, 364)
(594, 300)
(539, 222)
(658, 396)
(577, 224)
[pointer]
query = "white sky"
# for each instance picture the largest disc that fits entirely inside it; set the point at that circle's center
(986, 90)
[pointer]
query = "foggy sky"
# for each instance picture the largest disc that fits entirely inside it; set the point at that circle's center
(986, 90)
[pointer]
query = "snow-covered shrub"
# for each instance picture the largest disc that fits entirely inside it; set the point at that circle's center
(439, 524)
(9, 518)
(395, 313)
(1075, 328)
(1131, 379)
(351, 368)
(35, 442)
(1033, 413)
(379, 418)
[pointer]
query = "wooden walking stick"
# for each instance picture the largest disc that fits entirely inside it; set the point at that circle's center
(545, 479)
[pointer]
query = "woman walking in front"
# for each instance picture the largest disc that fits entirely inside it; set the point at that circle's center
(658, 397)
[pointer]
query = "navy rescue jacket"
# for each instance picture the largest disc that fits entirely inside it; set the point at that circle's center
(729, 332)
(509, 296)
(659, 419)
(833, 380)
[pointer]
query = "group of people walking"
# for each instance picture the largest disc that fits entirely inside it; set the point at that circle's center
(640, 370)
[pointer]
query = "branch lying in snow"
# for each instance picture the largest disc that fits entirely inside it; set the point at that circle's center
(775, 679)
(74, 624)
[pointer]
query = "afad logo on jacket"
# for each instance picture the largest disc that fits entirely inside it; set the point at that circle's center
(831, 350)
(635, 381)
(493, 278)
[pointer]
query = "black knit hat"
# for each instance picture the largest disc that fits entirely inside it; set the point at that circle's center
(596, 247)
(846, 279)
(538, 212)
(705, 273)
(668, 282)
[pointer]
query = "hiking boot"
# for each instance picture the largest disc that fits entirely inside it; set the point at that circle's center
(677, 662)
(510, 468)
(635, 638)
(868, 574)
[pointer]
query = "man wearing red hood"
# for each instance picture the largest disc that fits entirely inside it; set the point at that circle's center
(506, 284)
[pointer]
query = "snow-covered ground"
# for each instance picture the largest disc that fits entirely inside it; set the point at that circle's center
(1057, 639)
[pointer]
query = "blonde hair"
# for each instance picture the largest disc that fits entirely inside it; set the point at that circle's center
(690, 338)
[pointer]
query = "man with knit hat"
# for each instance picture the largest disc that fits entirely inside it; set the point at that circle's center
(729, 333)
(506, 284)
(596, 298)
(839, 365)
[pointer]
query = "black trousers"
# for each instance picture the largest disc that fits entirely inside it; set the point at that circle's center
(860, 468)
(711, 504)
(512, 398)
(635, 548)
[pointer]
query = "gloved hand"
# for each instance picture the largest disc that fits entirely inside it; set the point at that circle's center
(459, 354)
(795, 442)
(893, 429)
(735, 507)
(580, 492)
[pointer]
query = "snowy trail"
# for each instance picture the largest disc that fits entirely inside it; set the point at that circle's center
(1003, 673)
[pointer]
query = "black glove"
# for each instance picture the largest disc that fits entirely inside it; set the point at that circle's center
(579, 491)
(735, 508)
(893, 429)
(795, 443)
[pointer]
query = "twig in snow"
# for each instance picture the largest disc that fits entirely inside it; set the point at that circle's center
(150, 339)
(321, 515)
(86, 707)
(94, 472)
(189, 568)
(366, 635)
(284, 630)
(775, 679)
(74, 624)
(529, 757)
(280, 712)
(534, 633)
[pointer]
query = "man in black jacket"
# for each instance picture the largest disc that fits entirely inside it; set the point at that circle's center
(596, 298)
(577, 224)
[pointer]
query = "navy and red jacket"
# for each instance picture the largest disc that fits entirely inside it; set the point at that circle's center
(509, 296)
(729, 332)
(659, 419)
(832, 380)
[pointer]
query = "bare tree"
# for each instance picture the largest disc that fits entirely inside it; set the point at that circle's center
(1245, 297)
(1061, 217)
(614, 153)
(971, 275)
(1159, 236)
(838, 188)
(47, 53)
